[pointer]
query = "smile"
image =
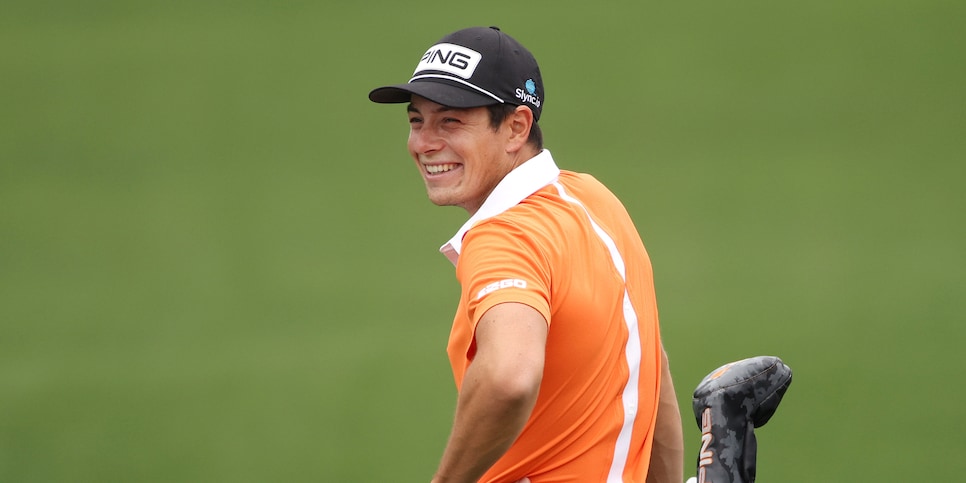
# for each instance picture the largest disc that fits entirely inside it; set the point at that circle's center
(440, 168)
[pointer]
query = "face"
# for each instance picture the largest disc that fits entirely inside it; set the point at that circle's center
(460, 156)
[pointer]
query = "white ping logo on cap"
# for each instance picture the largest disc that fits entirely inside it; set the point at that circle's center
(454, 59)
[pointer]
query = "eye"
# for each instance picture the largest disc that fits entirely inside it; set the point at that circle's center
(413, 120)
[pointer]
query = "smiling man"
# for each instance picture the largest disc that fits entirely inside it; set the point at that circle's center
(473, 161)
(555, 346)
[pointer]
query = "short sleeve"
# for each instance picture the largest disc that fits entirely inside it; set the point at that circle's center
(503, 262)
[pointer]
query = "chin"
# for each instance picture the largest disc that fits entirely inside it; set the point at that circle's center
(440, 200)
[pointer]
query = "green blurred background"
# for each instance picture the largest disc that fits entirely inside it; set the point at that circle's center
(218, 264)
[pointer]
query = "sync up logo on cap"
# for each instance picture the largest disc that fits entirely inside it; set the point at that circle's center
(451, 58)
(530, 94)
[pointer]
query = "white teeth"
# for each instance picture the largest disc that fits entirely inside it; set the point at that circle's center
(439, 168)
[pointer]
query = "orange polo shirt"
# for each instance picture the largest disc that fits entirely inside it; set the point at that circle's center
(563, 244)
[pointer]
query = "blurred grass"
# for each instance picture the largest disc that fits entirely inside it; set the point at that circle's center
(217, 264)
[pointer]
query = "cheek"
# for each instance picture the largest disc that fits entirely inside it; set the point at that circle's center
(411, 149)
(409, 142)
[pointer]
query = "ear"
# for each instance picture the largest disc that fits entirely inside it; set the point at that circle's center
(519, 123)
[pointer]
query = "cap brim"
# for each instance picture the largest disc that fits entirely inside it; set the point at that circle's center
(438, 91)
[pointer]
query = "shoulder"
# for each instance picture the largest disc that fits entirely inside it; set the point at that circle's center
(585, 187)
(530, 228)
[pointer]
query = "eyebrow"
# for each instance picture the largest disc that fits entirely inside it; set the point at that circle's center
(441, 108)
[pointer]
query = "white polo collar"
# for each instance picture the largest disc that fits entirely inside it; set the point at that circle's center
(523, 181)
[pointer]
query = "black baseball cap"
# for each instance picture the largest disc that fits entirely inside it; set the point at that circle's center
(473, 67)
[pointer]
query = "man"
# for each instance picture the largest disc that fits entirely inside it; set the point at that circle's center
(555, 346)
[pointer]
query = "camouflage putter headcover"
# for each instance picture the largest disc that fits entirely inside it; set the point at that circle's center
(728, 405)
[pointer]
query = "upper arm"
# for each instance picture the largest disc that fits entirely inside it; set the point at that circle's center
(511, 341)
(667, 452)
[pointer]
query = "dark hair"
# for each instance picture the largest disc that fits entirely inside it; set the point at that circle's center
(499, 113)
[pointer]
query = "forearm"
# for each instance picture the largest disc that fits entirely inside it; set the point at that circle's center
(489, 417)
(667, 453)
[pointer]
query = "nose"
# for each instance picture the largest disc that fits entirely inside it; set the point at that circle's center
(424, 140)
